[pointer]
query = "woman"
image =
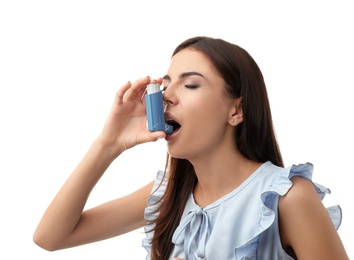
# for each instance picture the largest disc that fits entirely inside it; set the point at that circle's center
(224, 193)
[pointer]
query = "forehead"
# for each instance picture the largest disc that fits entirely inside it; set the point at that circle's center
(191, 60)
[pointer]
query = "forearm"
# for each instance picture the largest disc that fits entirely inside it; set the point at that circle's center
(64, 212)
(63, 224)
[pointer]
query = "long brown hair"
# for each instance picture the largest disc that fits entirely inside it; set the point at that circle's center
(254, 137)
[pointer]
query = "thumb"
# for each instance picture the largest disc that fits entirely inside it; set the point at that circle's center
(154, 136)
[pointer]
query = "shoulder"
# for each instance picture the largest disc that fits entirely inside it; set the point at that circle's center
(305, 225)
(302, 191)
(300, 205)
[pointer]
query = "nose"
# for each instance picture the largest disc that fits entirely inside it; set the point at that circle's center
(169, 96)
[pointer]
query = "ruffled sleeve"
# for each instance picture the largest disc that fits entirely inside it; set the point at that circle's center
(252, 245)
(150, 214)
(305, 170)
(265, 242)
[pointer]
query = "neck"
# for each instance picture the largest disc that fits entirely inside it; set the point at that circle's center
(220, 173)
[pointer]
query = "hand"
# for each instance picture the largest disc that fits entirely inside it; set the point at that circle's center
(125, 126)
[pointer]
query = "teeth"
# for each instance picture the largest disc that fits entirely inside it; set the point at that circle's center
(168, 119)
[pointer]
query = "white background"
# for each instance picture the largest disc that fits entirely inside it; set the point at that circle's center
(61, 63)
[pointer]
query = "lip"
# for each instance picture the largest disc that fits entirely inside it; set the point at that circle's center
(175, 133)
(169, 115)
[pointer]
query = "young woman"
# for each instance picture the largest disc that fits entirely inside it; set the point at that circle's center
(224, 194)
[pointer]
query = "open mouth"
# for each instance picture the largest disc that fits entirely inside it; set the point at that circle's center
(176, 126)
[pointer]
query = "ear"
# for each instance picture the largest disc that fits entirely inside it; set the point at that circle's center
(236, 113)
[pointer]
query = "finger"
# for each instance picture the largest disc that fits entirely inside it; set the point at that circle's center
(143, 91)
(123, 89)
(137, 89)
(159, 80)
(152, 136)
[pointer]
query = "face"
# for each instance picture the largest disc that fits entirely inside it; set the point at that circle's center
(196, 99)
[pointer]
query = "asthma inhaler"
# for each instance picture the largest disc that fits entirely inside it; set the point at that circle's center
(155, 109)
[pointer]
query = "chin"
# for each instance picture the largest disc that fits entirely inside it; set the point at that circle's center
(176, 154)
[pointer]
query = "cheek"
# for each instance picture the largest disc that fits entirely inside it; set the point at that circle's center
(212, 112)
(202, 130)
(203, 112)
(207, 122)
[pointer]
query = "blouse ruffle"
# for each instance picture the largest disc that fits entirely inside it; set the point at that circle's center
(281, 185)
(246, 247)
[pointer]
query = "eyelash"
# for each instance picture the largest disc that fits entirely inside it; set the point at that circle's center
(191, 86)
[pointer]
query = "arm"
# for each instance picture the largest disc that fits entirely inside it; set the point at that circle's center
(64, 224)
(305, 226)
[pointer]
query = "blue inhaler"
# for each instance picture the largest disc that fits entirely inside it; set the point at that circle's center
(155, 109)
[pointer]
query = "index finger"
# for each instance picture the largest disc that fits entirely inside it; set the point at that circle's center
(122, 90)
(137, 88)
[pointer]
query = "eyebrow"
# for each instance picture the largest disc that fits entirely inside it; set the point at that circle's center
(185, 75)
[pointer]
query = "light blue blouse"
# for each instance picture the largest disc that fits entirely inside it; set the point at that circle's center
(241, 225)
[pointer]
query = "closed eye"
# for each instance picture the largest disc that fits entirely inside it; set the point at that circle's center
(192, 86)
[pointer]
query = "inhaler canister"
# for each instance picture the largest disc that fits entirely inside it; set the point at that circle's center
(155, 110)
